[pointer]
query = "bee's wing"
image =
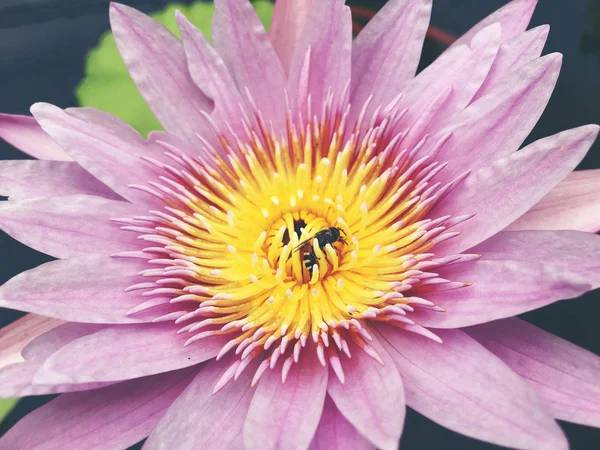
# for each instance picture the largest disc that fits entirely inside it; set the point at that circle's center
(302, 244)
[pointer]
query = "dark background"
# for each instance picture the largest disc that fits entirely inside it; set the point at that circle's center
(43, 44)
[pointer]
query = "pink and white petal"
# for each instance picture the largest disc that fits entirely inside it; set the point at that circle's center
(208, 71)
(513, 17)
(156, 61)
(140, 349)
(73, 225)
(504, 190)
(462, 386)
(116, 416)
(427, 93)
(206, 420)
(289, 19)
(17, 380)
(336, 433)
(103, 145)
(386, 53)
(572, 251)
(572, 205)
(484, 48)
(514, 54)
(372, 396)
(322, 60)
(88, 289)
(23, 179)
(503, 288)
(15, 336)
(497, 124)
(563, 375)
(24, 133)
(286, 415)
(241, 40)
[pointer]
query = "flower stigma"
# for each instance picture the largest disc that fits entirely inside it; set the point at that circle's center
(296, 241)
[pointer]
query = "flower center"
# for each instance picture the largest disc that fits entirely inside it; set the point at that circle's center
(278, 240)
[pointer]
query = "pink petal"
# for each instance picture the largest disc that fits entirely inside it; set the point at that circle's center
(563, 375)
(484, 48)
(24, 133)
(112, 417)
(207, 420)
(428, 92)
(208, 71)
(386, 53)
(514, 54)
(519, 271)
(87, 289)
(74, 225)
(23, 179)
(16, 380)
(513, 17)
(462, 386)
(103, 145)
(241, 40)
(326, 46)
(372, 397)
(286, 415)
(156, 61)
(504, 190)
(15, 336)
(289, 18)
(140, 349)
(497, 124)
(572, 205)
(336, 433)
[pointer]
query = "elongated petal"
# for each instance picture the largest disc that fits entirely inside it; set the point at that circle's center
(103, 145)
(372, 396)
(156, 61)
(427, 93)
(471, 75)
(572, 205)
(513, 17)
(241, 40)
(563, 375)
(112, 417)
(289, 18)
(24, 133)
(504, 190)
(322, 61)
(82, 289)
(514, 54)
(497, 124)
(519, 271)
(574, 251)
(462, 386)
(20, 180)
(17, 380)
(14, 337)
(140, 349)
(208, 71)
(73, 225)
(286, 415)
(336, 433)
(387, 51)
(206, 420)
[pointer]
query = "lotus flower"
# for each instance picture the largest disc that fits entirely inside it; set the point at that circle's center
(318, 239)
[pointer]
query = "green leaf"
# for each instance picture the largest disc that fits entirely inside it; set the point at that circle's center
(6, 406)
(107, 85)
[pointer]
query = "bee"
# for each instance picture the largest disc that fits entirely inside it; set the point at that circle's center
(324, 237)
(310, 260)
